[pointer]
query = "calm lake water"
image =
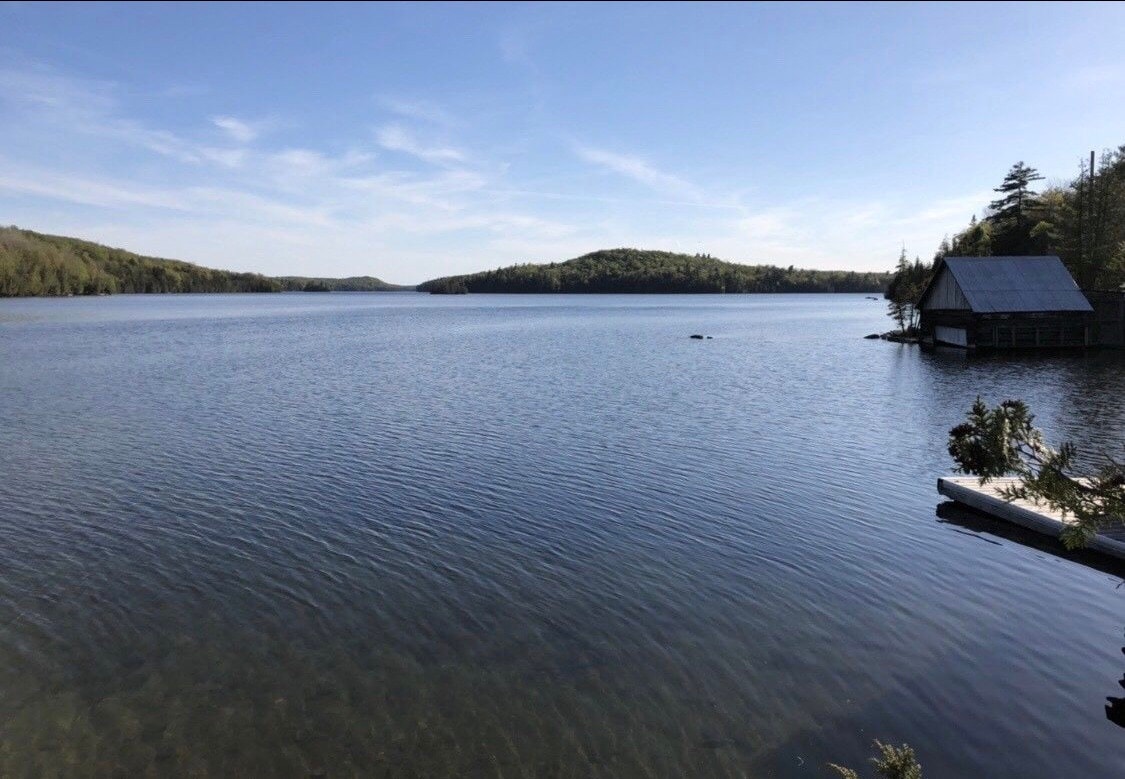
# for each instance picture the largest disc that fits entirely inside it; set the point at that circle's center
(403, 535)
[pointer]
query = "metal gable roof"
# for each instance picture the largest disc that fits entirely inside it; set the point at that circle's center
(1016, 284)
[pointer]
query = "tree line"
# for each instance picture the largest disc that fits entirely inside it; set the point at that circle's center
(1082, 222)
(36, 264)
(635, 270)
(349, 284)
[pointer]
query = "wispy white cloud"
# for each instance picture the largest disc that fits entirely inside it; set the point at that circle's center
(106, 192)
(227, 158)
(295, 168)
(443, 191)
(84, 190)
(422, 110)
(862, 233)
(161, 142)
(44, 89)
(368, 203)
(394, 137)
(960, 208)
(89, 107)
(639, 170)
(238, 130)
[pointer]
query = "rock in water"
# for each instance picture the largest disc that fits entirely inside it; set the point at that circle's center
(697, 336)
(873, 335)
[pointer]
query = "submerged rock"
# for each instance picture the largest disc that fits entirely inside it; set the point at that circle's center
(697, 336)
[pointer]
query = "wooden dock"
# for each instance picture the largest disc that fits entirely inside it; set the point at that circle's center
(968, 490)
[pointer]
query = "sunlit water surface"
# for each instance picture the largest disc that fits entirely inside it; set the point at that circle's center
(407, 535)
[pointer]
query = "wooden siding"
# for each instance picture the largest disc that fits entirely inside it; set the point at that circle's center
(945, 295)
(1031, 333)
(1109, 313)
(1013, 331)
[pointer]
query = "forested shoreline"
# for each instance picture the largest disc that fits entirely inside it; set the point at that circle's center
(643, 271)
(1081, 222)
(35, 264)
(348, 284)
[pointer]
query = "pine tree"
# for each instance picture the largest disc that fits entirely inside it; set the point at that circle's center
(1001, 441)
(1011, 211)
(944, 249)
(904, 290)
(1017, 198)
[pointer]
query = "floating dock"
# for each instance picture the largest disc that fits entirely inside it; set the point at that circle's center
(968, 491)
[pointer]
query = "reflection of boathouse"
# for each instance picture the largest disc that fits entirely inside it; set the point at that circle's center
(1005, 303)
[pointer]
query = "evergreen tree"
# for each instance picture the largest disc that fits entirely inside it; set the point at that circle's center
(945, 249)
(1011, 211)
(1083, 222)
(1093, 233)
(1017, 198)
(904, 291)
(1001, 441)
(892, 763)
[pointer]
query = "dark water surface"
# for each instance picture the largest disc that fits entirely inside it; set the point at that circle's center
(527, 536)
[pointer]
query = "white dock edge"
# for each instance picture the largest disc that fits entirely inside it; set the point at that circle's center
(967, 490)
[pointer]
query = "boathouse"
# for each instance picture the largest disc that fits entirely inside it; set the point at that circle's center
(1004, 303)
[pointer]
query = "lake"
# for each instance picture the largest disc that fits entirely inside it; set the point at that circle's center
(404, 535)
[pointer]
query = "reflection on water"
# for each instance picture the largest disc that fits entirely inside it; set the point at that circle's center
(525, 536)
(979, 525)
(1115, 707)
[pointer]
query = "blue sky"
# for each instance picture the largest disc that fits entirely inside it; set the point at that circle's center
(410, 141)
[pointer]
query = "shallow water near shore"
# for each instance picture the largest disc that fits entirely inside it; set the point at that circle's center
(405, 535)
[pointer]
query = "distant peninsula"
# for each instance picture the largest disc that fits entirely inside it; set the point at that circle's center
(637, 270)
(34, 264)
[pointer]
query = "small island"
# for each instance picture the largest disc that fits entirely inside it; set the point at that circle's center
(647, 271)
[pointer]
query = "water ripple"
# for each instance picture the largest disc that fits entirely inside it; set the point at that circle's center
(524, 536)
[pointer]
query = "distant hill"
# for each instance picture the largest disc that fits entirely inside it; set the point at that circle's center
(36, 264)
(350, 284)
(636, 270)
